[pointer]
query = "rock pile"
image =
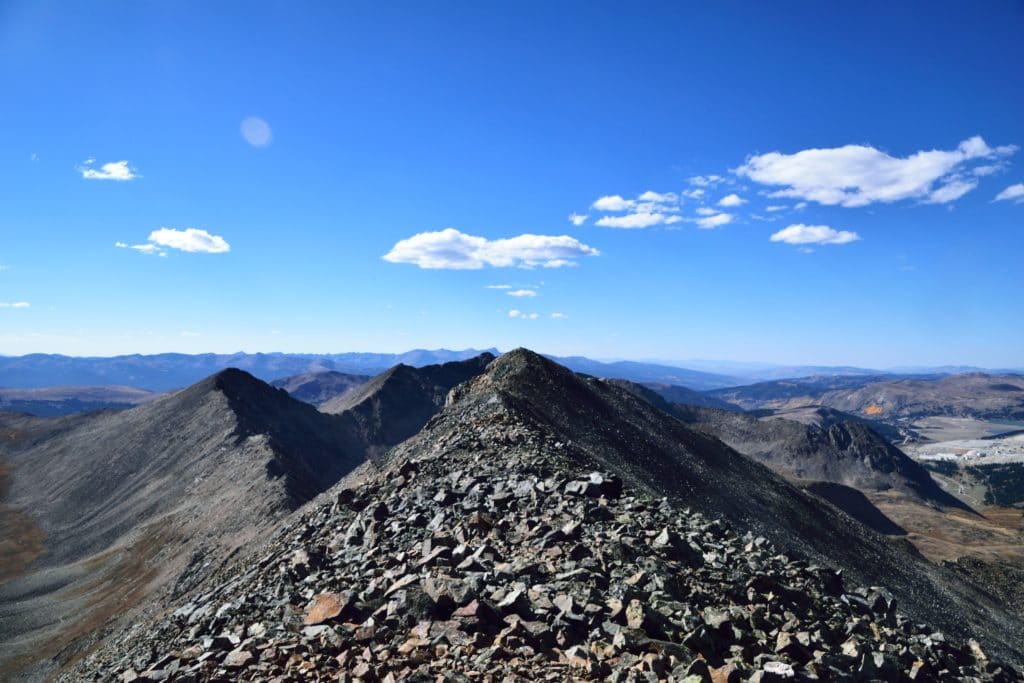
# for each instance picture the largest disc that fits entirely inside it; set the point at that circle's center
(490, 557)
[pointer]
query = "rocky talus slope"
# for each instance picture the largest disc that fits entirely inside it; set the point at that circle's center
(501, 544)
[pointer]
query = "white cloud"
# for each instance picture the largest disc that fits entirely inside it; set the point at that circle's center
(988, 169)
(637, 220)
(659, 197)
(858, 175)
(189, 239)
(613, 202)
(731, 200)
(706, 211)
(776, 207)
(705, 180)
(455, 250)
(516, 313)
(558, 316)
(1013, 192)
(499, 287)
(15, 304)
(799, 233)
(112, 170)
(648, 209)
(256, 131)
(151, 249)
(578, 219)
(715, 221)
(951, 191)
(695, 193)
(522, 293)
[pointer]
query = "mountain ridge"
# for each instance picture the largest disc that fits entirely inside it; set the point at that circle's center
(514, 514)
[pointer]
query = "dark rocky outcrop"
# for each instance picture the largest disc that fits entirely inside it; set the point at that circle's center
(396, 404)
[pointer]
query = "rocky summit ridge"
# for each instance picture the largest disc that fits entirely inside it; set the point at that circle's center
(545, 526)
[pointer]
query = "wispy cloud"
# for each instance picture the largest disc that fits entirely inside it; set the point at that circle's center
(520, 293)
(714, 221)
(451, 249)
(705, 180)
(859, 175)
(15, 304)
(499, 286)
(558, 316)
(112, 170)
(988, 169)
(637, 220)
(801, 234)
(578, 219)
(516, 313)
(1013, 193)
(191, 240)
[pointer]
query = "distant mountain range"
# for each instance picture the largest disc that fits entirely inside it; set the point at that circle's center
(758, 372)
(890, 398)
(169, 371)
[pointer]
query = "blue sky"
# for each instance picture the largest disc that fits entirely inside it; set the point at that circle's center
(457, 140)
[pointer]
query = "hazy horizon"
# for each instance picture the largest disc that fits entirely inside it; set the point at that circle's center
(710, 365)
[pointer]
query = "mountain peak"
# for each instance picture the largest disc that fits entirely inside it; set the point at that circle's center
(234, 383)
(521, 363)
(234, 379)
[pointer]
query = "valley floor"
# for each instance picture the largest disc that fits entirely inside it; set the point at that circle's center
(995, 534)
